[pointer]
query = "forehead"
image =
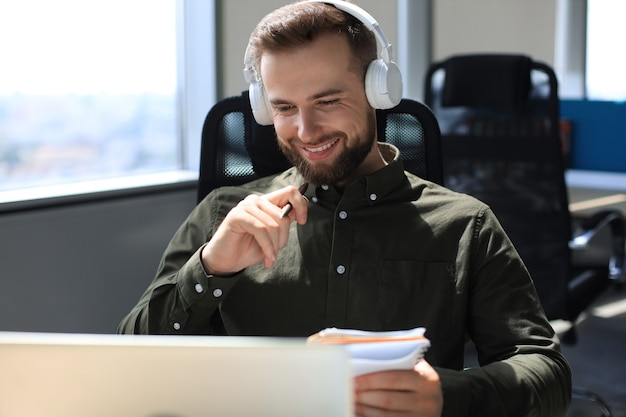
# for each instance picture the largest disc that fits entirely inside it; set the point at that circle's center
(324, 63)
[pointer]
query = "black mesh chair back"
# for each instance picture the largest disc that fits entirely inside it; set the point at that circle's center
(500, 126)
(235, 149)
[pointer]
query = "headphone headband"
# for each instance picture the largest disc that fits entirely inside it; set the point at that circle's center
(383, 80)
(368, 20)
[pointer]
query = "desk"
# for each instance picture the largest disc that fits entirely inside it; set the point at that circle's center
(586, 201)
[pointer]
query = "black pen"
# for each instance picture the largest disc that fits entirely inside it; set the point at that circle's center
(288, 207)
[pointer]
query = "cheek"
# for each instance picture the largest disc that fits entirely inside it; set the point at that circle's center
(282, 133)
(285, 129)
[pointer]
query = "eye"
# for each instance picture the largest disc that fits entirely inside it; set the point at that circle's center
(329, 102)
(283, 109)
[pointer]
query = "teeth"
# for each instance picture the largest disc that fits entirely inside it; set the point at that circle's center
(321, 148)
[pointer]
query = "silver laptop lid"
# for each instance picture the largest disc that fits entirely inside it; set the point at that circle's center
(70, 375)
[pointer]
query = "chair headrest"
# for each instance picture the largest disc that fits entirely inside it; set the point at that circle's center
(490, 80)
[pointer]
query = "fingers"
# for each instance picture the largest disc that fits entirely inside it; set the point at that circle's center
(292, 202)
(410, 393)
(423, 368)
(386, 381)
(260, 219)
(400, 380)
(383, 402)
(254, 232)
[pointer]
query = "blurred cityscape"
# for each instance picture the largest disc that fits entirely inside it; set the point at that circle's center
(54, 139)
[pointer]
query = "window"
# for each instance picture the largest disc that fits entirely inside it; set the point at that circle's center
(95, 90)
(606, 63)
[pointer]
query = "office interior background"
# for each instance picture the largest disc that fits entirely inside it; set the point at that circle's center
(97, 172)
(76, 255)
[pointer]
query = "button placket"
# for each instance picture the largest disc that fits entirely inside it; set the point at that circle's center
(341, 257)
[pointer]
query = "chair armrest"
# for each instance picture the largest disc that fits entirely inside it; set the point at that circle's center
(591, 226)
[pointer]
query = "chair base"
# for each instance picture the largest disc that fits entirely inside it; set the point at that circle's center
(592, 404)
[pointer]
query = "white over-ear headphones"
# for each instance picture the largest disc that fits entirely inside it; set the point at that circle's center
(383, 80)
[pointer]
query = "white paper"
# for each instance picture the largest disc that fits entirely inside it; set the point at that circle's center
(394, 352)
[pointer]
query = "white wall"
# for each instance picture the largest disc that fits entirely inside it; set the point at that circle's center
(458, 26)
(526, 26)
(239, 17)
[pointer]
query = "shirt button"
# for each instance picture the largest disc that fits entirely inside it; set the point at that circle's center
(176, 326)
(314, 199)
(325, 187)
(373, 197)
(199, 288)
(217, 293)
(343, 214)
(341, 269)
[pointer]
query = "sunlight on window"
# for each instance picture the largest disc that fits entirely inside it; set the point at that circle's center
(606, 61)
(87, 90)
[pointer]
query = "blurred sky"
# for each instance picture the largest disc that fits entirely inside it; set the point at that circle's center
(85, 47)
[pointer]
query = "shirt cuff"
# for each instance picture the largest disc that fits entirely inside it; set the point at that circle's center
(456, 395)
(469, 392)
(199, 290)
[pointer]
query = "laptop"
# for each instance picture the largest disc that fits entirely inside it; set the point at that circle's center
(86, 375)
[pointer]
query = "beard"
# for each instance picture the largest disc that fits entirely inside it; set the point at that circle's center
(343, 167)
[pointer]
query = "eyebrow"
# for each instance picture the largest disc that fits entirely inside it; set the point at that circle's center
(327, 93)
(321, 94)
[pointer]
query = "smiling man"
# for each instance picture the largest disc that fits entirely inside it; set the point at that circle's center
(371, 247)
(324, 125)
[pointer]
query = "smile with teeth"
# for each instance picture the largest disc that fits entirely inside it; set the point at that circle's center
(321, 148)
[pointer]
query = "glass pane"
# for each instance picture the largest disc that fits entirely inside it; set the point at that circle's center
(606, 62)
(87, 90)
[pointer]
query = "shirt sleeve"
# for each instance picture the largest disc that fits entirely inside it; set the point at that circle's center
(522, 370)
(182, 298)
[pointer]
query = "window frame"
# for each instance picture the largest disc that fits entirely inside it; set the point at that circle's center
(570, 48)
(196, 27)
(570, 63)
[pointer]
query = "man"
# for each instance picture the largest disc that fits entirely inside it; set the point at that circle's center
(368, 247)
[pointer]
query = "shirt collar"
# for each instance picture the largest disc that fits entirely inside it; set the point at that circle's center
(376, 186)
(381, 183)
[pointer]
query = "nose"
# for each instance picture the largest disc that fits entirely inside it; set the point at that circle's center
(308, 125)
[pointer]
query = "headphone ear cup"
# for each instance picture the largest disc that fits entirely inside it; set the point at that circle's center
(260, 106)
(383, 84)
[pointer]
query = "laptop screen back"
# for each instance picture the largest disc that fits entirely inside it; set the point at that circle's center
(69, 375)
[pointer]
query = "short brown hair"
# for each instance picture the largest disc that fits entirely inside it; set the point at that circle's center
(303, 22)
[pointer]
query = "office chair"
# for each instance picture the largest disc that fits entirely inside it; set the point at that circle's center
(500, 129)
(235, 149)
(500, 123)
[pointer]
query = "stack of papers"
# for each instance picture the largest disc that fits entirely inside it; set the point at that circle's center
(376, 351)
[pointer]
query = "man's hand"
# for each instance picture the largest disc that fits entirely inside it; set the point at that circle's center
(253, 232)
(399, 393)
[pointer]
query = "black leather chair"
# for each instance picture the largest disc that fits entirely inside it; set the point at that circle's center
(235, 149)
(500, 126)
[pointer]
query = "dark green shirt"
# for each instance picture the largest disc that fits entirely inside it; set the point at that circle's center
(389, 252)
